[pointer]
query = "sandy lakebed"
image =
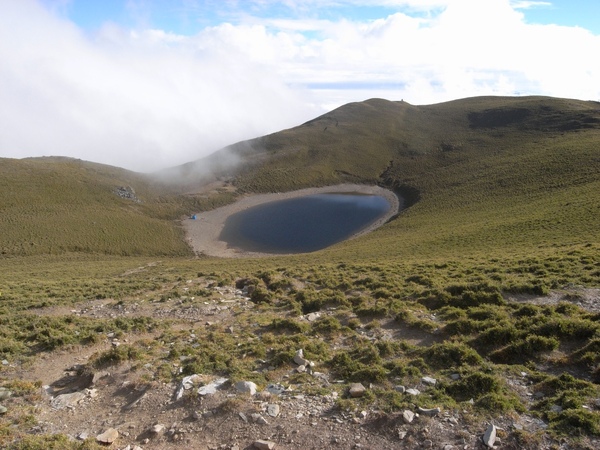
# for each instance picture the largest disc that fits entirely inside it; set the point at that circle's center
(203, 233)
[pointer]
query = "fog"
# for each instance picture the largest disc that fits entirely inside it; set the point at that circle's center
(146, 99)
(141, 101)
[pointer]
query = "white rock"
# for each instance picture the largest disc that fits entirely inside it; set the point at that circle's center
(108, 437)
(489, 437)
(67, 400)
(191, 380)
(257, 418)
(408, 416)
(413, 391)
(273, 409)
(312, 316)
(157, 428)
(211, 388)
(357, 390)
(276, 389)
(429, 381)
(264, 445)
(299, 358)
(246, 386)
(429, 412)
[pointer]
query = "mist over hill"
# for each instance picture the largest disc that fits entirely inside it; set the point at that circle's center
(530, 163)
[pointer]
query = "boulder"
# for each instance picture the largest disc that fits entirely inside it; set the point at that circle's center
(408, 416)
(429, 381)
(489, 437)
(264, 445)
(429, 412)
(211, 388)
(357, 390)
(299, 358)
(246, 386)
(108, 437)
(273, 409)
(67, 400)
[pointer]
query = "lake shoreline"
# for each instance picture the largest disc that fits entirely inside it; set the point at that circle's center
(203, 233)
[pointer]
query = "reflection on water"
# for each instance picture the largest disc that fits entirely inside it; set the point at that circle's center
(302, 224)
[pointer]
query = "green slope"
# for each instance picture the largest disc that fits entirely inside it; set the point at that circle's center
(489, 173)
(57, 205)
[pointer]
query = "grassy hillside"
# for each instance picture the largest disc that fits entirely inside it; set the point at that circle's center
(489, 173)
(60, 205)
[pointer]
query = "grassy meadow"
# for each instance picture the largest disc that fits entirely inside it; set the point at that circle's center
(503, 200)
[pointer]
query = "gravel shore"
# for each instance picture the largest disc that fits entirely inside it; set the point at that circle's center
(203, 233)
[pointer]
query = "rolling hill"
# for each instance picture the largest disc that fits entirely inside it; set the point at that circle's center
(478, 174)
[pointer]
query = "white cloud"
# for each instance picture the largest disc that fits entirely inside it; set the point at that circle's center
(147, 99)
(143, 100)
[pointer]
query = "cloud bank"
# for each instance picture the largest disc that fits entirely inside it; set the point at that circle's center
(145, 98)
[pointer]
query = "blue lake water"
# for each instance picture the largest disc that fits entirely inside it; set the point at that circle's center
(302, 224)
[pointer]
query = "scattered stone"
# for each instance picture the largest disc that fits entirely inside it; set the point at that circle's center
(402, 434)
(429, 412)
(3, 409)
(301, 368)
(264, 445)
(246, 386)
(276, 389)
(455, 376)
(357, 390)
(5, 393)
(5, 362)
(91, 393)
(312, 316)
(257, 418)
(408, 416)
(191, 380)
(157, 428)
(489, 437)
(67, 400)
(108, 437)
(273, 409)
(427, 443)
(243, 417)
(211, 388)
(400, 389)
(362, 415)
(412, 391)
(299, 358)
(429, 381)
(556, 408)
(83, 435)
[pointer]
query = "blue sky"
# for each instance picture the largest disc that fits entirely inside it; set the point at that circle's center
(147, 84)
(191, 16)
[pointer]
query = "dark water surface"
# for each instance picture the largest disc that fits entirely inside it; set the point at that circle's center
(302, 224)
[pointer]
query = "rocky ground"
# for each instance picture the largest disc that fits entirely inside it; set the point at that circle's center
(126, 407)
